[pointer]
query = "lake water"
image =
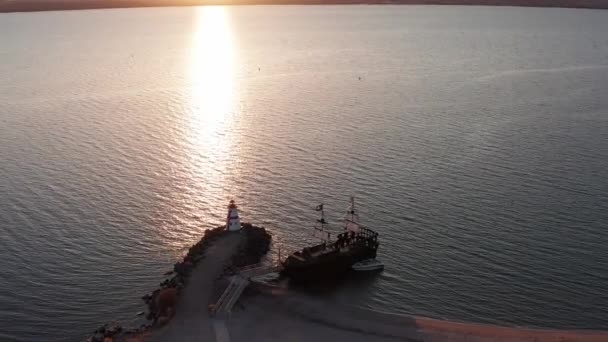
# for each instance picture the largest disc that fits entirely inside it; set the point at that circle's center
(474, 138)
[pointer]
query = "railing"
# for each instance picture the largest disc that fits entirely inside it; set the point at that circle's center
(230, 296)
(237, 285)
(248, 267)
(220, 302)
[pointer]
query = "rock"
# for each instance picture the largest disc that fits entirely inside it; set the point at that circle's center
(183, 268)
(113, 330)
(98, 337)
(177, 267)
(166, 301)
(254, 248)
(130, 331)
(162, 320)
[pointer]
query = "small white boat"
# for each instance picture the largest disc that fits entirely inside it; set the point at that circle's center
(368, 265)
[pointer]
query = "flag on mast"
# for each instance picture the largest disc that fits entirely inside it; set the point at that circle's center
(319, 207)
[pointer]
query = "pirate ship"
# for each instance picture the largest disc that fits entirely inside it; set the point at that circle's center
(330, 259)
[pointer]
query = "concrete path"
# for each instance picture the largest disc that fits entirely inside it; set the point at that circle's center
(221, 332)
(192, 322)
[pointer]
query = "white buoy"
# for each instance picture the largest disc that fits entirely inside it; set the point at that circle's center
(233, 222)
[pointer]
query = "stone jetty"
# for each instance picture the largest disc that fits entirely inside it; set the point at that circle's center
(252, 244)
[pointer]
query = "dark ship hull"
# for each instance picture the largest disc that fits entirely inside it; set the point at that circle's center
(328, 261)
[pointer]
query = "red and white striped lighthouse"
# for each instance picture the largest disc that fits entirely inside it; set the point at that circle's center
(233, 222)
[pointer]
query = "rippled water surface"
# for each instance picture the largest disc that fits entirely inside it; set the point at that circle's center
(475, 140)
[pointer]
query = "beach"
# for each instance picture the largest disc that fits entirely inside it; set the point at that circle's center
(293, 317)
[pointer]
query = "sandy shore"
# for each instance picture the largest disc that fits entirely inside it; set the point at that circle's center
(192, 321)
(288, 317)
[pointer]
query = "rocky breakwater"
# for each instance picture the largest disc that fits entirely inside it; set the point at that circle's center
(162, 301)
(253, 248)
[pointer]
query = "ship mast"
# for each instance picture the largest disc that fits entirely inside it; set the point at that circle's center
(352, 208)
(322, 222)
(351, 220)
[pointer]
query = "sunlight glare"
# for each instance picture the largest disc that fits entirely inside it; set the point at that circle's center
(212, 73)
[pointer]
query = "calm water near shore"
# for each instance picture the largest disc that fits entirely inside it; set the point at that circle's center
(475, 140)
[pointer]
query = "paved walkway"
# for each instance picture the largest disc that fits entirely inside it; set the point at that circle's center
(221, 332)
(192, 322)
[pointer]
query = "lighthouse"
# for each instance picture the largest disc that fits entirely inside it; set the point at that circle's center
(233, 222)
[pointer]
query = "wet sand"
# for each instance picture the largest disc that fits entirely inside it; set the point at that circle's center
(192, 320)
(288, 317)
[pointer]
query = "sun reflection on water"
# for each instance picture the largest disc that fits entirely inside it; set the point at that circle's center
(210, 125)
(212, 72)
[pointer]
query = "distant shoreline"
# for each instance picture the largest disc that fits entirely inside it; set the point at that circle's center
(7, 6)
